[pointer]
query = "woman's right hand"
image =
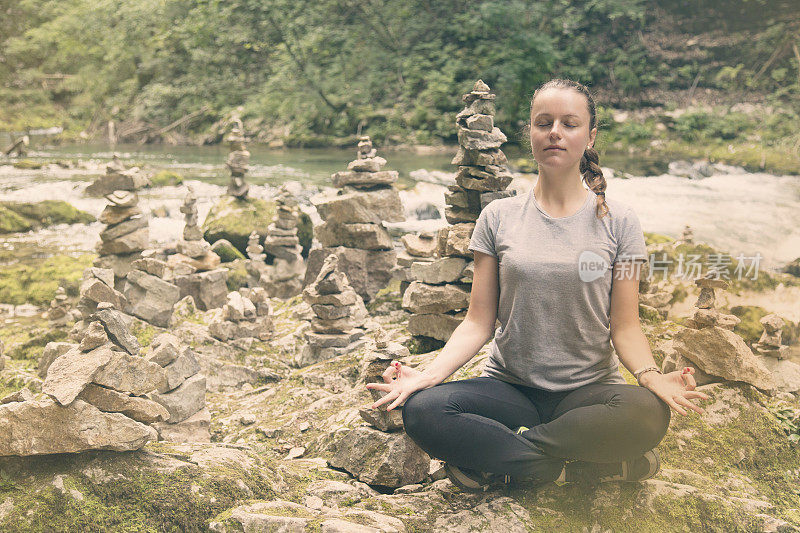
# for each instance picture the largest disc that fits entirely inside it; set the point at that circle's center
(399, 384)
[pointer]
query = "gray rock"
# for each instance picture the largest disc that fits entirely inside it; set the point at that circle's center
(444, 270)
(363, 236)
(368, 271)
(44, 427)
(117, 231)
(377, 458)
(51, 352)
(421, 298)
(785, 373)
(164, 349)
(130, 373)
(346, 208)
(184, 367)
(208, 289)
(437, 326)
(382, 419)
(110, 401)
(480, 140)
(118, 331)
(454, 240)
(480, 122)
(135, 241)
(98, 291)
(94, 336)
(69, 374)
(420, 245)
(360, 179)
(186, 400)
(196, 428)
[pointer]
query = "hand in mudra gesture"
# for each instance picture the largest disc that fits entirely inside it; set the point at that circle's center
(676, 388)
(399, 383)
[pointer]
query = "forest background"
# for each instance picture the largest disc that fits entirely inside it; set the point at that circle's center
(704, 78)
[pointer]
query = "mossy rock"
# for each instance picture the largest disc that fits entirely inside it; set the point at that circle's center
(793, 268)
(164, 178)
(226, 251)
(16, 217)
(27, 164)
(233, 220)
(305, 232)
(237, 275)
(749, 328)
(656, 238)
(36, 283)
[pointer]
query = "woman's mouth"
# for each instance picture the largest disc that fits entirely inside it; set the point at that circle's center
(553, 148)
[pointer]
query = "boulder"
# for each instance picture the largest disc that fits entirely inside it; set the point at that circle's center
(437, 326)
(44, 427)
(345, 208)
(150, 298)
(378, 458)
(110, 401)
(233, 219)
(130, 373)
(723, 353)
(444, 270)
(69, 374)
(362, 236)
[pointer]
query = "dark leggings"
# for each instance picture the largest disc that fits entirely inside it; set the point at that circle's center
(472, 423)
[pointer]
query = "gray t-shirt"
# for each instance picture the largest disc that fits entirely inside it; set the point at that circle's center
(555, 289)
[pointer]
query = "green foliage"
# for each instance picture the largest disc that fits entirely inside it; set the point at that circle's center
(749, 328)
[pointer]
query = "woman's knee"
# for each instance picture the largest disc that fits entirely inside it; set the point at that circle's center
(650, 414)
(417, 410)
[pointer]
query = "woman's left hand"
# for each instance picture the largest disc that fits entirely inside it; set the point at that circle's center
(676, 389)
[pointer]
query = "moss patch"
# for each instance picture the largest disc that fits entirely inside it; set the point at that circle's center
(36, 282)
(17, 217)
(163, 178)
(233, 219)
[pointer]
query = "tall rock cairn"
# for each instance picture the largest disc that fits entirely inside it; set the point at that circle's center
(284, 277)
(353, 228)
(195, 265)
(339, 315)
(439, 295)
(118, 178)
(238, 160)
(125, 236)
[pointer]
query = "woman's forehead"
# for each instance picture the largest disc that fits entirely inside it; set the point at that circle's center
(560, 102)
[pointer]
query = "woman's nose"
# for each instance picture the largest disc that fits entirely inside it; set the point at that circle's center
(555, 133)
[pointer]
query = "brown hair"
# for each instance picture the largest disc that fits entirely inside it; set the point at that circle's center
(590, 167)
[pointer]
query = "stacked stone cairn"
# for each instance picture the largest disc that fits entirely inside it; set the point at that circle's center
(654, 298)
(95, 395)
(339, 315)
(60, 312)
(710, 346)
(256, 265)
(769, 345)
(418, 249)
(238, 160)
(195, 265)
(439, 295)
(353, 228)
(688, 235)
(381, 453)
(182, 393)
(125, 236)
(247, 314)
(118, 178)
(284, 277)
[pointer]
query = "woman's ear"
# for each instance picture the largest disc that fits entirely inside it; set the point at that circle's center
(592, 136)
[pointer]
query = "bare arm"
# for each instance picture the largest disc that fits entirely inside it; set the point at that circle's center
(467, 339)
(478, 326)
(630, 343)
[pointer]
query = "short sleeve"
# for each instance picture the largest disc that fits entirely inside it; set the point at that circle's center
(630, 239)
(483, 236)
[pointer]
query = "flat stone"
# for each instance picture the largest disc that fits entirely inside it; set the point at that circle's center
(337, 340)
(371, 164)
(130, 373)
(196, 428)
(444, 270)
(110, 401)
(164, 349)
(193, 249)
(479, 157)
(480, 140)
(117, 231)
(69, 374)
(489, 182)
(383, 201)
(44, 427)
(363, 236)
(345, 208)
(480, 122)
(436, 326)
(422, 298)
(356, 179)
(114, 215)
(711, 283)
(154, 267)
(135, 241)
(456, 215)
(186, 400)
(118, 331)
(22, 395)
(332, 312)
(419, 246)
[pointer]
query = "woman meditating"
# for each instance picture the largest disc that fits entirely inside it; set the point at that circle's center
(559, 268)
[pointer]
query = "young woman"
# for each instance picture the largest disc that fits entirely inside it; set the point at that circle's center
(559, 268)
